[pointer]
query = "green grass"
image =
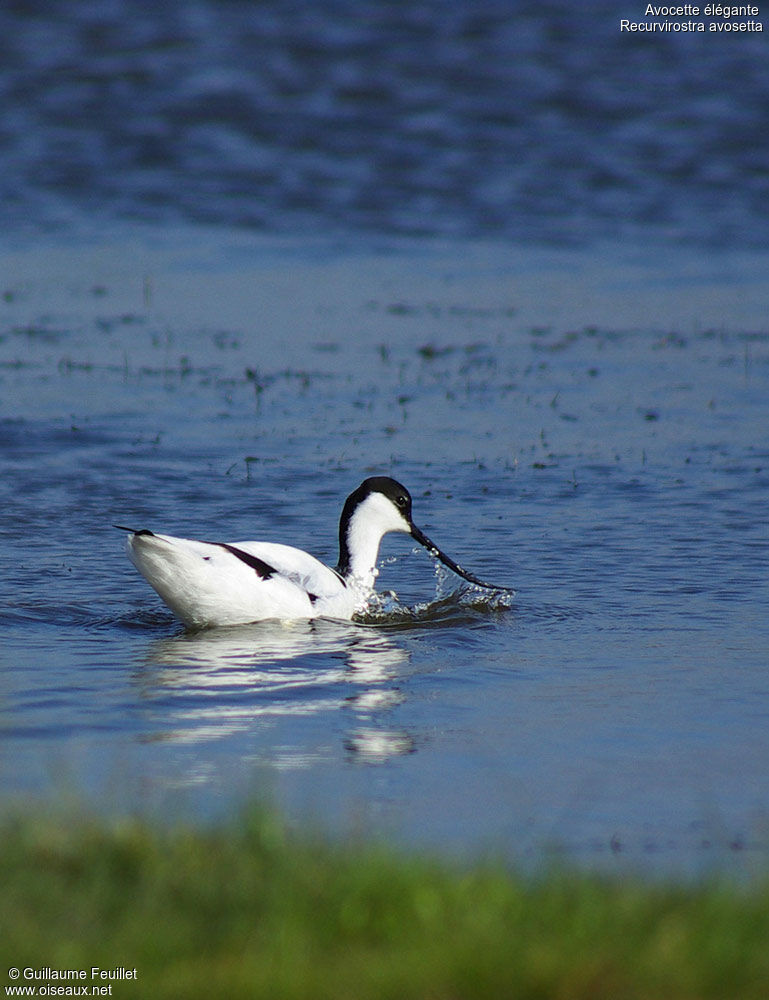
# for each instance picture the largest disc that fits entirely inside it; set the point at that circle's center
(250, 910)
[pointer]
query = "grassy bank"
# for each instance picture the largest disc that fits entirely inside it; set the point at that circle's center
(247, 910)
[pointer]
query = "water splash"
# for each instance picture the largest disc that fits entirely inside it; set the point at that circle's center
(462, 605)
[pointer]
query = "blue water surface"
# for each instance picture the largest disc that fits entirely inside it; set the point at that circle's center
(504, 252)
(529, 121)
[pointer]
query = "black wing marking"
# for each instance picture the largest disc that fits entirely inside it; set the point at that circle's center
(260, 567)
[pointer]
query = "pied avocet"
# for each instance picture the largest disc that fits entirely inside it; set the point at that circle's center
(232, 583)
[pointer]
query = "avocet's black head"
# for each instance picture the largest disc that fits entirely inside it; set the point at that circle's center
(392, 490)
(378, 506)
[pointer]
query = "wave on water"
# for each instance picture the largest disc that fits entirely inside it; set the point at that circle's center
(82, 616)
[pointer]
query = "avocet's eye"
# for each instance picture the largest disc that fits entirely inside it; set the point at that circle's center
(402, 501)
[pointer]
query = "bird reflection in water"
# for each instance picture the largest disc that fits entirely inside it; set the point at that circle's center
(219, 682)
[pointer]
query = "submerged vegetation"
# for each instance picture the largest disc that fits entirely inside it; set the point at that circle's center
(249, 909)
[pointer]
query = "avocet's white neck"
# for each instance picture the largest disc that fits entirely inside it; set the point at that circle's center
(361, 532)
